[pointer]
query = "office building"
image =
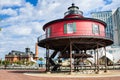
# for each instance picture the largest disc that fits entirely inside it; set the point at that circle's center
(105, 16)
(116, 25)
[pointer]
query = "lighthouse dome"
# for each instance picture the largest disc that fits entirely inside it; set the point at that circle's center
(73, 12)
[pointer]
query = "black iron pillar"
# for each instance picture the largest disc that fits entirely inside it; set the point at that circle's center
(70, 57)
(47, 59)
(105, 60)
(97, 60)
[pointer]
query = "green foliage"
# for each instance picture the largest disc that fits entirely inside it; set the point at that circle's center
(41, 59)
(1, 62)
(24, 62)
(6, 62)
(19, 62)
(0, 29)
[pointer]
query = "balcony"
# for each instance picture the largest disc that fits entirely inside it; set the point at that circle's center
(85, 34)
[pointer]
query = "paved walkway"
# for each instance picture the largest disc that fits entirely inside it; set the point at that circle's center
(18, 75)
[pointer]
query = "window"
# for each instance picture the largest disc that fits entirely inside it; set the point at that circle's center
(70, 28)
(95, 29)
(48, 32)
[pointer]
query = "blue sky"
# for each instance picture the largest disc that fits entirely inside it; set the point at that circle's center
(34, 2)
(22, 20)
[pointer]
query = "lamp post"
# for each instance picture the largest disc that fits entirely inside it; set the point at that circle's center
(113, 63)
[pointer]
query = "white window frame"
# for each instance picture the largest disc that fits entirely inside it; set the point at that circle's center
(48, 32)
(70, 28)
(95, 29)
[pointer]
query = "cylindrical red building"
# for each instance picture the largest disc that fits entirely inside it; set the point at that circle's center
(73, 33)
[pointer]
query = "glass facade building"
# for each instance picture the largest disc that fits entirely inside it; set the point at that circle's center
(116, 24)
(105, 16)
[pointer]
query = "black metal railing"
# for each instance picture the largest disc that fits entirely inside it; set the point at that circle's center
(59, 34)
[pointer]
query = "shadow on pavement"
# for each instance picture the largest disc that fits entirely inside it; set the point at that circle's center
(26, 71)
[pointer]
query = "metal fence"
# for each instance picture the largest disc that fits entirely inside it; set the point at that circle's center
(77, 33)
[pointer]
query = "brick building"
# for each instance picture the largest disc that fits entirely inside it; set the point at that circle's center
(15, 56)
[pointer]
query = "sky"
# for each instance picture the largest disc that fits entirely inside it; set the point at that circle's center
(22, 20)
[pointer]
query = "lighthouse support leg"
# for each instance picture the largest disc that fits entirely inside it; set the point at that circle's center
(70, 57)
(97, 60)
(47, 59)
(105, 60)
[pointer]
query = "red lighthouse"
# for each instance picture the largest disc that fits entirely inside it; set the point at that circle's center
(72, 36)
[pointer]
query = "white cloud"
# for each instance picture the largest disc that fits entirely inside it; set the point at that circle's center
(22, 31)
(17, 30)
(27, 10)
(4, 3)
(47, 9)
(9, 12)
(88, 5)
(36, 27)
(113, 5)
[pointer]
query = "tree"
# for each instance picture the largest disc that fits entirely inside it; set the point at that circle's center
(41, 59)
(1, 61)
(6, 63)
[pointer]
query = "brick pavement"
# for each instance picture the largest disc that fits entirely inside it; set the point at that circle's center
(18, 75)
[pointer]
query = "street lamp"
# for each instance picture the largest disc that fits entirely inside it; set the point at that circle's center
(113, 63)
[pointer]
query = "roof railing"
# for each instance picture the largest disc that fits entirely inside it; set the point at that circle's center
(73, 12)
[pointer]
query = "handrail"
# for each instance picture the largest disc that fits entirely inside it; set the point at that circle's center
(77, 33)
